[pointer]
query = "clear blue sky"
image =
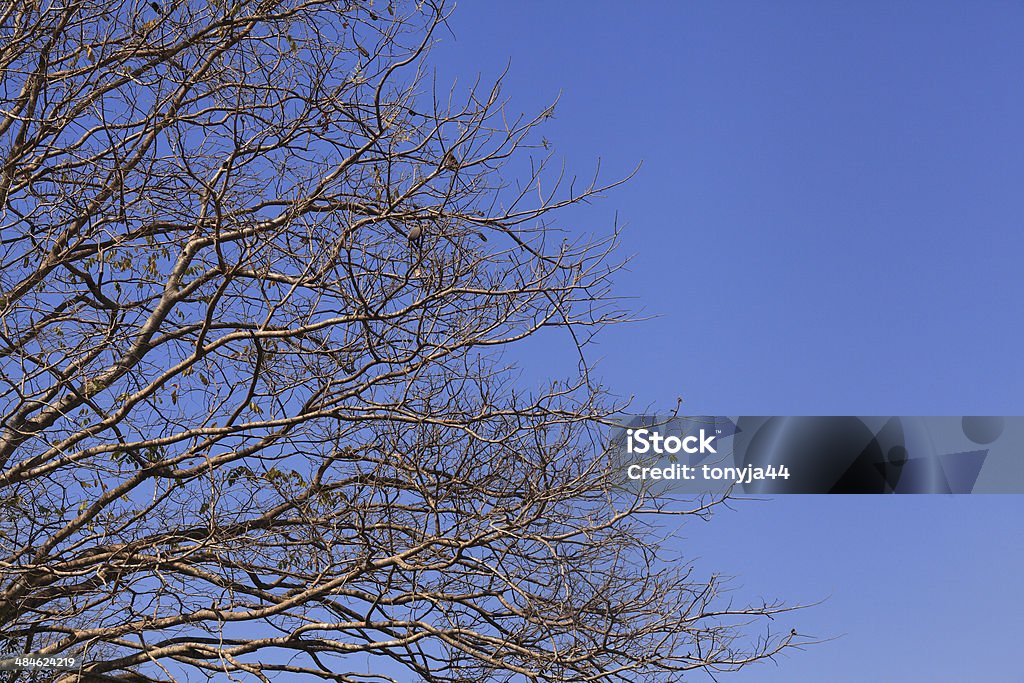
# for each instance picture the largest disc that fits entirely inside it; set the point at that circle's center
(828, 221)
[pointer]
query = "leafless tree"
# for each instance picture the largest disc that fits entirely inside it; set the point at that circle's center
(256, 272)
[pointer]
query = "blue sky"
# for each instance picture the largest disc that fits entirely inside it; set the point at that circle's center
(828, 220)
(829, 212)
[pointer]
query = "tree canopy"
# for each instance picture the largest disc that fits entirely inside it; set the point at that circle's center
(256, 271)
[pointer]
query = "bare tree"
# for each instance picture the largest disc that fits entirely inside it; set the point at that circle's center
(256, 273)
